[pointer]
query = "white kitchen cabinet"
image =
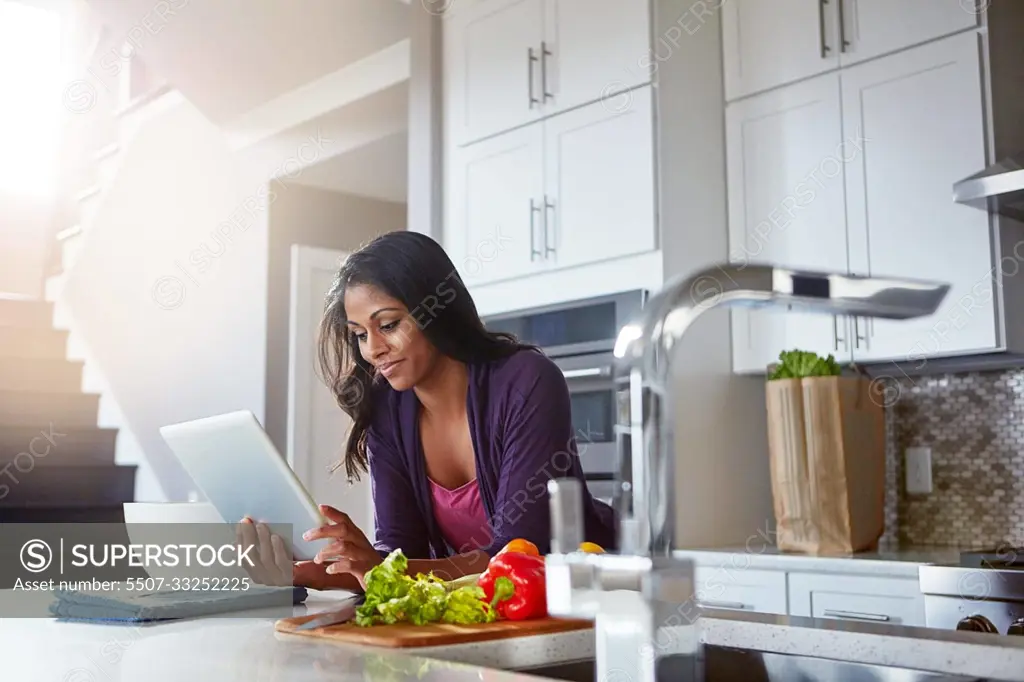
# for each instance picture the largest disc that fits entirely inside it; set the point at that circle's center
(494, 206)
(572, 189)
(894, 601)
(508, 63)
(770, 44)
(492, 66)
(871, 28)
(599, 180)
(597, 48)
(920, 115)
(786, 207)
(740, 589)
(767, 44)
(880, 145)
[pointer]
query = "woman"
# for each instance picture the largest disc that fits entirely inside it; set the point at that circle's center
(460, 428)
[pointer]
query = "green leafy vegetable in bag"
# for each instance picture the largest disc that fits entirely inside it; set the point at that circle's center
(797, 364)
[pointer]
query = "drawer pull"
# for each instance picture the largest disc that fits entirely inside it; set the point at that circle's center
(853, 615)
(739, 606)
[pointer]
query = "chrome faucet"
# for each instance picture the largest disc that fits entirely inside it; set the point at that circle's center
(642, 598)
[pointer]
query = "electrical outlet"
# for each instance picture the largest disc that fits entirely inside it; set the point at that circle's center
(919, 470)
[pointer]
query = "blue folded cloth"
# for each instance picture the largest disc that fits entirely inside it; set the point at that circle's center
(168, 604)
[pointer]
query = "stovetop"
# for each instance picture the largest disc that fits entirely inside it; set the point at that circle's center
(1005, 557)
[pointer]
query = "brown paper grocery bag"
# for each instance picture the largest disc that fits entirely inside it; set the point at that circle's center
(826, 441)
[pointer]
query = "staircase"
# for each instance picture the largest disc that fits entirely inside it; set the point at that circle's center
(58, 451)
(56, 464)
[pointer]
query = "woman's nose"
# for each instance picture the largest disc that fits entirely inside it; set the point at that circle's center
(376, 345)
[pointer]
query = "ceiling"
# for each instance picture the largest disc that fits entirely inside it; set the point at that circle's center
(230, 56)
(378, 170)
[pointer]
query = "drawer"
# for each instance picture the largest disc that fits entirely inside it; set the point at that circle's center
(894, 601)
(741, 589)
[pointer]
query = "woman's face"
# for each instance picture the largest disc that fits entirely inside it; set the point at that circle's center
(388, 336)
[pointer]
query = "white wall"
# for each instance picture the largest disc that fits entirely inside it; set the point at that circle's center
(24, 235)
(723, 488)
(314, 217)
(170, 288)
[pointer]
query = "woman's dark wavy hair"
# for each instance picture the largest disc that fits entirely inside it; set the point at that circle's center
(414, 269)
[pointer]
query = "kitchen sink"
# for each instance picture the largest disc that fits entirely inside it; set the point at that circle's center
(723, 664)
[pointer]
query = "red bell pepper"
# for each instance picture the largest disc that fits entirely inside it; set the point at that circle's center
(514, 584)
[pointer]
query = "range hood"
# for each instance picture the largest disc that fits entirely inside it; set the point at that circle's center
(997, 189)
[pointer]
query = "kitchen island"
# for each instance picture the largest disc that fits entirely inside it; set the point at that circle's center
(249, 649)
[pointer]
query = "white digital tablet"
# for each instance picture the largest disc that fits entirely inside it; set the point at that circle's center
(236, 466)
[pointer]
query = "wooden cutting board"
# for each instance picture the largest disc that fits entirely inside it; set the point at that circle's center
(406, 635)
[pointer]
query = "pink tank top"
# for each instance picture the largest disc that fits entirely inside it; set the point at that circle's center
(461, 516)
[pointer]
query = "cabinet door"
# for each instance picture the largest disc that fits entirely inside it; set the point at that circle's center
(495, 205)
(920, 116)
(740, 589)
(767, 44)
(598, 48)
(786, 208)
(872, 28)
(894, 601)
(599, 174)
(492, 66)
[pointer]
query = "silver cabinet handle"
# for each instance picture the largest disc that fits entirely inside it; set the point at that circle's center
(837, 339)
(544, 54)
(588, 372)
(858, 337)
(853, 615)
(739, 606)
(548, 205)
(843, 42)
(534, 210)
(821, 28)
(530, 59)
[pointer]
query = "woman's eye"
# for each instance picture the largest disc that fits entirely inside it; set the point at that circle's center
(390, 325)
(360, 337)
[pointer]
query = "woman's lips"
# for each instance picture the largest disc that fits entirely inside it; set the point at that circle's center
(387, 369)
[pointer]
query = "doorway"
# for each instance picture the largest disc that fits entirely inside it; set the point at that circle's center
(317, 427)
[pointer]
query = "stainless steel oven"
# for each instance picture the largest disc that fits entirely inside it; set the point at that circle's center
(580, 336)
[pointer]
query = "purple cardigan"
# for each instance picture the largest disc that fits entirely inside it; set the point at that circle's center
(521, 426)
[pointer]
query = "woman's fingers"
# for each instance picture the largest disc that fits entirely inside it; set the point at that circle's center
(337, 550)
(283, 560)
(356, 567)
(248, 537)
(341, 527)
(335, 515)
(275, 563)
(266, 551)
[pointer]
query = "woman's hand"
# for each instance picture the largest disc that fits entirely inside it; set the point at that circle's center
(272, 563)
(349, 551)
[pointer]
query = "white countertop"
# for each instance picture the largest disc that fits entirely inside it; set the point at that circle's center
(249, 650)
(902, 562)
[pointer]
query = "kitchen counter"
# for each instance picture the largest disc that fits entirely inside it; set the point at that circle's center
(894, 561)
(226, 649)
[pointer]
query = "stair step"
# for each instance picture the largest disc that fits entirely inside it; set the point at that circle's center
(17, 342)
(69, 487)
(22, 313)
(70, 246)
(89, 203)
(40, 374)
(43, 408)
(27, 448)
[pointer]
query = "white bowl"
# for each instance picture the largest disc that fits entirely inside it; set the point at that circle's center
(141, 517)
(171, 512)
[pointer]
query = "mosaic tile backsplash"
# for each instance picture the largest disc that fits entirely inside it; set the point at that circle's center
(974, 424)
